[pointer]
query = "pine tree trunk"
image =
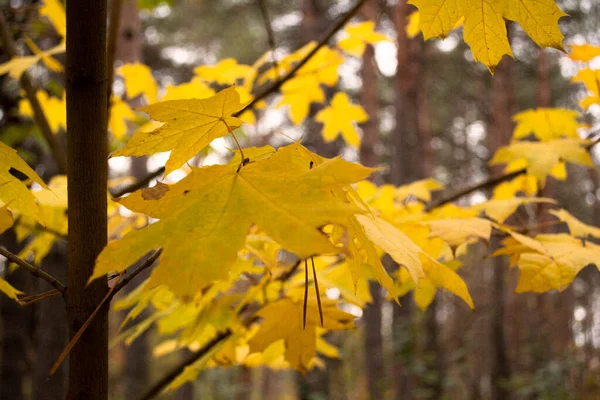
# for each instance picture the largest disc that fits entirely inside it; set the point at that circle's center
(87, 176)
(501, 131)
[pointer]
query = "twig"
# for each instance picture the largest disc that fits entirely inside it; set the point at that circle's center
(145, 265)
(38, 112)
(267, 91)
(264, 11)
(111, 46)
(55, 283)
(159, 386)
(322, 42)
(81, 331)
(493, 181)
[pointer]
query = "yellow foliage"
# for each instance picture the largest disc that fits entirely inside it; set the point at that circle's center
(485, 27)
(8, 290)
(190, 126)
(357, 36)
(591, 79)
(541, 157)
(213, 207)
(16, 66)
(576, 227)
(584, 52)
(55, 12)
(300, 344)
(226, 72)
(339, 118)
(139, 81)
(55, 110)
(547, 124)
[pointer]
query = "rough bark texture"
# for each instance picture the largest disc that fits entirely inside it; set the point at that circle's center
(87, 175)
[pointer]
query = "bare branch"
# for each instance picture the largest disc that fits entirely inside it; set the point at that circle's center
(111, 46)
(55, 283)
(40, 118)
(264, 11)
(145, 265)
(159, 386)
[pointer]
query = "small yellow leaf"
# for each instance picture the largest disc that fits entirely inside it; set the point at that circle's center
(55, 12)
(189, 126)
(226, 72)
(6, 219)
(357, 36)
(139, 81)
(584, 52)
(339, 118)
(8, 290)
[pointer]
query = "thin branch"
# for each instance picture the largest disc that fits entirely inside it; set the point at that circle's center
(267, 91)
(342, 21)
(40, 118)
(111, 46)
(495, 180)
(159, 386)
(45, 229)
(264, 11)
(145, 265)
(55, 283)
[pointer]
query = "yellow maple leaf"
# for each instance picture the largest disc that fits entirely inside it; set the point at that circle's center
(213, 207)
(526, 184)
(226, 72)
(189, 126)
(547, 123)
(412, 26)
(456, 231)
(300, 344)
(55, 12)
(120, 113)
(576, 227)
(305, 87)
(500, 210)
(339, 118)
(485, 27)
(139, 81)
(591, 79)
(357, 36)
(55, 109)
(194, 89)
(553, 262)
(284, 65)
(14, 194)
(17, 65)
(542, 157)
(584, 52)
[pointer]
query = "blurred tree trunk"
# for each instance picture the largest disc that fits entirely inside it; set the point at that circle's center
(15, 369)
(501, 132)
(52, 331)
(369, 99)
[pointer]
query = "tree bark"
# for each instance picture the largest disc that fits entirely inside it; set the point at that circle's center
(87, 180)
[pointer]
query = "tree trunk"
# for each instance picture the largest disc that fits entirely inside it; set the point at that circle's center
(501, 132)
(87, 180)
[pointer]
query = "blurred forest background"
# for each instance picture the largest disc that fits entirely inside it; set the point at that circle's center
(433, 112)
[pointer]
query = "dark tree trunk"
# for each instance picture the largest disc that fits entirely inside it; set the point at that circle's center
(87, 175)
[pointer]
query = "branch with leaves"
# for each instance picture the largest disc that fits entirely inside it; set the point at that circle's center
(37, 272)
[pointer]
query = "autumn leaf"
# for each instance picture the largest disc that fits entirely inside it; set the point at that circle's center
(339, 118)
(547, 124)
(485, 26)
(357, 36)
(584, 52)
(189, 126)
(14, 194)
(213, 207)
(139, 81)
(55, 110)
(542, 157)
(300, 344)
(591, 79)
(6, 219)
(576, 227)
(8, 290)
(16, 66)
(226, 72)
(55, 12)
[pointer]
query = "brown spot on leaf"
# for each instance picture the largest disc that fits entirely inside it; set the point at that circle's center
(155, 192)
